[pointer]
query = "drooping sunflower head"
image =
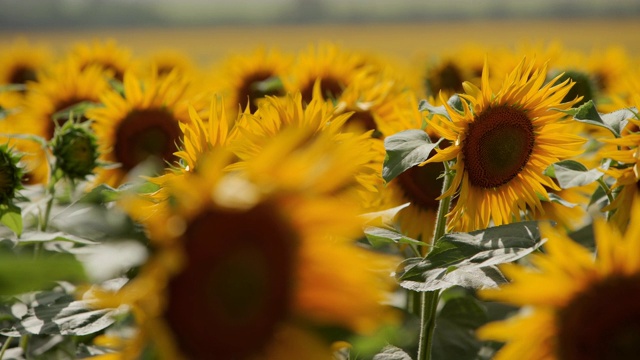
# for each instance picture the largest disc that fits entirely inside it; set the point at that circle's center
(575, 305)
(108, 55)
(140, 125)
(10, 174)
(318, 119)
(502, 142)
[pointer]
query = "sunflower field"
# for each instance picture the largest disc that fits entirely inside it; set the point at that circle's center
(322, 203)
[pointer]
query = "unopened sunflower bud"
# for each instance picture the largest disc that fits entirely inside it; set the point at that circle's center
(10, 174)
(76, 150)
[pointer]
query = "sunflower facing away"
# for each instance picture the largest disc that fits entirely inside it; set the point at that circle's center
(576, 306)
(263, 269)
(502, 142)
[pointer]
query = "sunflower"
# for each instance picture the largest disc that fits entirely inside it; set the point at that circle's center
(166, 61)
(575, 305)
(140, 125)
(318, 117)
(626, 174)
(448, 72)
(22, 61)
(244, 79)
(59, 88)
(502, 143)
(264, 268)
(334, 67)
(108, 54)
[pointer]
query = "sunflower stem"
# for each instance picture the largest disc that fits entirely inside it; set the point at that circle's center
(607, 191)
(429, 299)
(5, 346)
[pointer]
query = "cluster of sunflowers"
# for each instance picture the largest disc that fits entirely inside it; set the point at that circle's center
(309, 206)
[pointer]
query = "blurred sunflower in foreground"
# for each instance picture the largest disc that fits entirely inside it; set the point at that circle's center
(502, 143)
(256, 269)
(576, 305)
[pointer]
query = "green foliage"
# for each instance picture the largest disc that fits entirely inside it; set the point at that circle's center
(57, 312)
(456, 323)
(391, 352)
(469, 259)
(22, 273)
(11, 217)
(381, 236)
(404, 150)
(570, 173)
(614, 122)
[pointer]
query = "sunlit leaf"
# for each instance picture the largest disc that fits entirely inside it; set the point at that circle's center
(405, 150)
(380, 236)
(469, 259)
(11, 217)
(391, 352)
(19, 274)
(570, 173)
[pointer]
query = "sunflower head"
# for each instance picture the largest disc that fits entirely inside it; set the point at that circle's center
(583, 86)
(75, 148)
(575, 305)
(10, 174)
(502, 142)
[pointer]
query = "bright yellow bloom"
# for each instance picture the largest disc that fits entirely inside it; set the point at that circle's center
(243, 80)
(575, 305)
(259, 265)
(108, 55)
(59, 88)
(21, 62)
(502, 142)
(140, 125)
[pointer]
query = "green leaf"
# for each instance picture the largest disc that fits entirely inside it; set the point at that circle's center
(454, 101)
(13, 87)
(557, 199)
(456, 323)
(614, 122)
(570, 173)
(470, 259)
(11, 217)
(102, 193)
(404, 150)
(585, 237)
(379, 236)
(19, 274)
(57, 313)
(391, 352)
(38, 236)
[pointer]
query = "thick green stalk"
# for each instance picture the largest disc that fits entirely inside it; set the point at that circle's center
(429, 299)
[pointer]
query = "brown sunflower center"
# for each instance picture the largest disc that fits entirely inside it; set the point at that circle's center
(330, 88)
(236, 286)
(422, 185)
(257, 86)
(144, 134)
(448, 78)
(602, 323)
(365, 120)
(22, 74)
(497, 146)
